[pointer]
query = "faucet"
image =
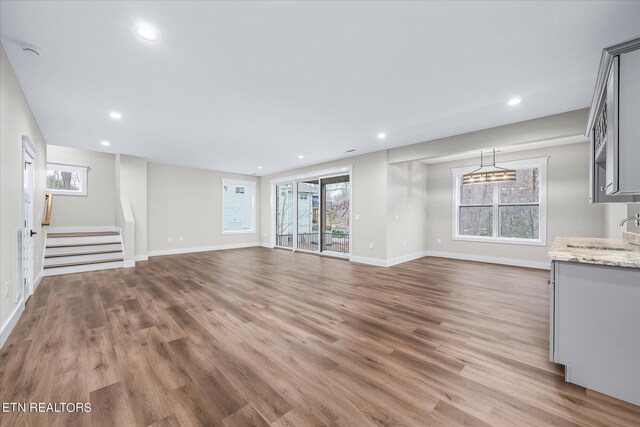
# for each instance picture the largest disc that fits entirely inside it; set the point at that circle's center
(631, 218)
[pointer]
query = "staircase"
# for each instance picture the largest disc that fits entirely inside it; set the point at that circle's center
(74, 250)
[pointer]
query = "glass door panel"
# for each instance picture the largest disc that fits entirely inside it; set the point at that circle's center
(336, 193)
(284, 215)
(309, 215)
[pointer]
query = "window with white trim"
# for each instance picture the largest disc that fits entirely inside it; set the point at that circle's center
(67, 179)
(503, 212)
(238, 206)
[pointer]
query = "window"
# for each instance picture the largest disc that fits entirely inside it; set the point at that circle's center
(238, 206)
(65, 179)
(503, 212)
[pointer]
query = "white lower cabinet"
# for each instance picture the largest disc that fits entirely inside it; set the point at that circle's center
(595, 327)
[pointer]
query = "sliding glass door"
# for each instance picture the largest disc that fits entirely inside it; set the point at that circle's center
(314, 214)
(284, 215)
(336, 193)
(309, 215)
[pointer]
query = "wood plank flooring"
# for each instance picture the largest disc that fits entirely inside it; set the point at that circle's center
(259, 337)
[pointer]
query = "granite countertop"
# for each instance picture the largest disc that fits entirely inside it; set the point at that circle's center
(593, 250)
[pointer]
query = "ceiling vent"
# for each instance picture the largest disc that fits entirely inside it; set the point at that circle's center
(31, 49)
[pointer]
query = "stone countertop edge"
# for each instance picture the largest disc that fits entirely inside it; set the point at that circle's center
(595, 250)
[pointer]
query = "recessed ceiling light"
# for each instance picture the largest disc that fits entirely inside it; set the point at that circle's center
(147, 33)
(382, 135)
(115, 115)
(301, 156)
(105, 143)
(259, 167)
(514, 101)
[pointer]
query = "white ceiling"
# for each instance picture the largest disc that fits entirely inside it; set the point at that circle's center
(233, 86)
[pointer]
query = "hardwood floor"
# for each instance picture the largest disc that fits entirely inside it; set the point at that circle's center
(258, 337)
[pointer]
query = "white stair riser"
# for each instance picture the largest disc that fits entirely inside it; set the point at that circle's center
(80, 249)
(81, 268)
(82, 258)
(54, 241)
(95, 229)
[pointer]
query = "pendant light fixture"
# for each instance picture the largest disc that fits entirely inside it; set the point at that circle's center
(496, 174)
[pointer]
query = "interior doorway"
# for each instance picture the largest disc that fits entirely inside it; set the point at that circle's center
(25, 284)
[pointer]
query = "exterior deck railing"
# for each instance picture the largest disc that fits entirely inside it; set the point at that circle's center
(284, 240)
(311, 242)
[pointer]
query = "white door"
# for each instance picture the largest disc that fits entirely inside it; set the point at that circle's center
(28, 232)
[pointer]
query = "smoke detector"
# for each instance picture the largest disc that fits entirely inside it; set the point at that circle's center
(31, 49)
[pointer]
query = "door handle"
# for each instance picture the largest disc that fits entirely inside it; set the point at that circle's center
(32, 233)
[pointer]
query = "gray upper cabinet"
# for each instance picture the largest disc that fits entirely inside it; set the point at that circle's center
(614, 126)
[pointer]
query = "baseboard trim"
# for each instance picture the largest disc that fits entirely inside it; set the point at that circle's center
(388, 262)
(405, 258)
(11, 323)
(451, 255)
(202, 249)
(141, 258)
(37, 281)
(373, 261)
(130, 263)
(491, 260)
(369, 261)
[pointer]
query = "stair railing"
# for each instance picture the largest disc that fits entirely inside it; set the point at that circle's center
(48, 205)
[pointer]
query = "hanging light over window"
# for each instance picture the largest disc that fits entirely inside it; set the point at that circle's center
(488, 176)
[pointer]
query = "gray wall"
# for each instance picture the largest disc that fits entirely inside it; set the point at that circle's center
(186, 202)
(563, 125)
(394, 182)
(613, 214)
(633, 209)
(369, 187)
(97, 208)
(569, 212)
(17, 120)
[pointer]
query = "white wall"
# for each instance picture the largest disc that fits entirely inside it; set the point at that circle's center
(185, 202)
(97, 207)
(369, 187)
(407, 215)
(17, 120)
(569, 212)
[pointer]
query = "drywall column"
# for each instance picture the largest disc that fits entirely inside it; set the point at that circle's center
(406, 211)
(131, 185)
